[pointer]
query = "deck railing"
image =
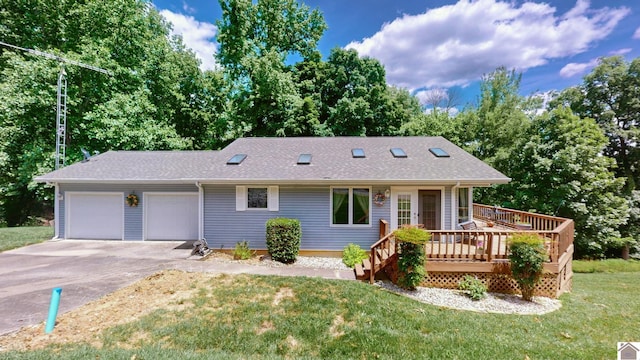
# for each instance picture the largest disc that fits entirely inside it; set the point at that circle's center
(488, 244)
(557, 231)
(515, 218)
(381, 253)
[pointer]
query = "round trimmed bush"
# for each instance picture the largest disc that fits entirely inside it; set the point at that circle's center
(283, 239)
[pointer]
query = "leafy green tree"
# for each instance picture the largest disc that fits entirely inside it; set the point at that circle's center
(610, 94)
(500, 117)
(255, 41)
(157, 97)
(558, 169)
(353, 97)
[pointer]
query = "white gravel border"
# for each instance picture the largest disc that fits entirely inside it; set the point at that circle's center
(495, 303)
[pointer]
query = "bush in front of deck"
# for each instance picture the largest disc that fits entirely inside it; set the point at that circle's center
(411, 257)
(353, 254)
(527, 256)
(473, 287)
(283, 239)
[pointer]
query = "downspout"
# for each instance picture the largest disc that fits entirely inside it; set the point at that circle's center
(454, 197)
(56, 211)
(200, 211)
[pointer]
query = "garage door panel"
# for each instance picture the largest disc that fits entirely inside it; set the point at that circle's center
(171, 217)
(95, 216)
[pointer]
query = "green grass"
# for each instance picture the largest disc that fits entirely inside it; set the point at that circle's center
(606, 266)
(15, 237)
(238, 317)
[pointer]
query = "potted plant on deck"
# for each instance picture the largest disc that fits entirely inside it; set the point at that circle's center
(480, 250)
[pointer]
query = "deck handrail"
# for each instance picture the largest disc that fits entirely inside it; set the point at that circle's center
(386, 243)
(557, 231)
(484, 245)
(511, 218)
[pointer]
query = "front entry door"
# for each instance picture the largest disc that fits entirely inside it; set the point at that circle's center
(429, 204)
(411, 206)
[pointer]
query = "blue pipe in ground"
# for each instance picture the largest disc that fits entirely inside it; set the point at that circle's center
(53, 309)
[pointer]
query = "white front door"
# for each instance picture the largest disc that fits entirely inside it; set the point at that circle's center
(404, 207)
(417, 205)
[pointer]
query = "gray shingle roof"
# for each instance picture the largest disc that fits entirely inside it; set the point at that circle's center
(275, 160)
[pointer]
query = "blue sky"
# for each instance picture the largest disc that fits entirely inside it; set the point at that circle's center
(429, 45)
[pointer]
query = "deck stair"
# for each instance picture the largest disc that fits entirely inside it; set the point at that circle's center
(380, 256)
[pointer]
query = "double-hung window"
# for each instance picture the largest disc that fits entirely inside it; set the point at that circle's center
(350, 206)
(257, 198)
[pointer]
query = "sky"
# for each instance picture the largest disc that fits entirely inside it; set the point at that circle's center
(432, 45)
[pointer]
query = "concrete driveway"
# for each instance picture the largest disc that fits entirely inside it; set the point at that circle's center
(88, 270)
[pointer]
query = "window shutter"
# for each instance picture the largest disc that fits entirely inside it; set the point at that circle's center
(273, 198)
(241, 198)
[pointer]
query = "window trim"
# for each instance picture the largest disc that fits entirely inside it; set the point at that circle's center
(469, 190)
(242, 198)
(350, 198)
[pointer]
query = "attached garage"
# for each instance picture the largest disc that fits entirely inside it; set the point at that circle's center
(94, 215)
(171, 216)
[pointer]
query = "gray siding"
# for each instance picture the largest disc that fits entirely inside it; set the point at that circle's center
(133, 216)
(224, 226)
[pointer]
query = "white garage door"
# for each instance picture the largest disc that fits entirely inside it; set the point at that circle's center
(94, 216)
(171, 216)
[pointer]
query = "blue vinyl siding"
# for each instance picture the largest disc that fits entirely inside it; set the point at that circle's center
(133, 216)
(224, 226)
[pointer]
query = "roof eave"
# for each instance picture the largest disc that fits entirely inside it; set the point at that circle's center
(230, 181)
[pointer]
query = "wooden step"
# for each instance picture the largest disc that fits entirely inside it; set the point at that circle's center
(366, 264)
(359, 271)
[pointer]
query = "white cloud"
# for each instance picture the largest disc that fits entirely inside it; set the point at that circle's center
(636, 35)
(621, 51)
(456, 44)
(196, 35)
(188, 9)
(573, 69)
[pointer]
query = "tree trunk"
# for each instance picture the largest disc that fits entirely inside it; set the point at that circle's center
(625, 252)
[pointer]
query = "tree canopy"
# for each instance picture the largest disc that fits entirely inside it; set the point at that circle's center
(579, 158)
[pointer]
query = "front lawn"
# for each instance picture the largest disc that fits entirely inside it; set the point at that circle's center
(15, 237)
(268, 317)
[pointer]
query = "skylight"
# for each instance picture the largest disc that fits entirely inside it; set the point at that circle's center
(357, 153)
(304, 159)
(398, 153)
(438, 152)
(237, 159)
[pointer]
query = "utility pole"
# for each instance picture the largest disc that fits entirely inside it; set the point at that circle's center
(61, 108)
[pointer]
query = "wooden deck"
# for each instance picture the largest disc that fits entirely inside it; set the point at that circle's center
(483, 252)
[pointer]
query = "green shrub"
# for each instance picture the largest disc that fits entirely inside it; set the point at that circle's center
(242, 251)
(411, 258)
(283, 239)
(353, 254)
(473, 287)
(527, 256)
